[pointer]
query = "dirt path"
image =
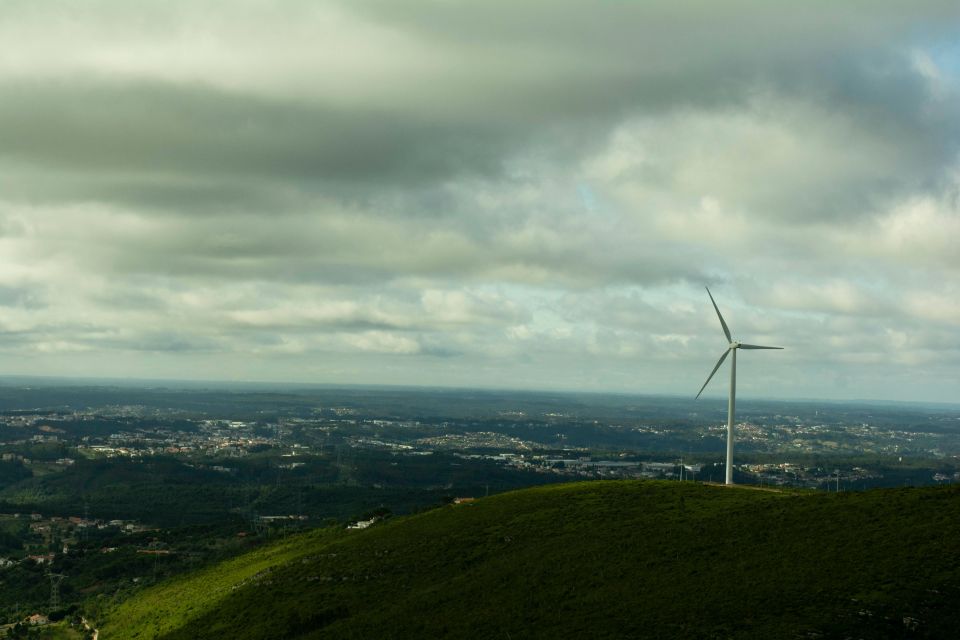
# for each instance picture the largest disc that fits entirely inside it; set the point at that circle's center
(86, 625)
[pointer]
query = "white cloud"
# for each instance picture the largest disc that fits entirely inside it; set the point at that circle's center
(382, 342)
(494, 194)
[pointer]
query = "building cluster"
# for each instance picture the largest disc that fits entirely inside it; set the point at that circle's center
(64, 533)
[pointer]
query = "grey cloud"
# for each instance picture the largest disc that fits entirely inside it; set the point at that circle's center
(19, 297)
(158, 341)
(573, 66)
(172, 128)
(390, 191)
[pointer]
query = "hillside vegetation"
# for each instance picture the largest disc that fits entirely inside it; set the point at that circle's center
(597, 559)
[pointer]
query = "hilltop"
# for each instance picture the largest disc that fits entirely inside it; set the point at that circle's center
(599, 559)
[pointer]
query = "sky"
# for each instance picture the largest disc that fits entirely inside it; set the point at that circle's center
(525, 194)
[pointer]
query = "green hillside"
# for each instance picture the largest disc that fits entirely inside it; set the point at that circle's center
(597, 559)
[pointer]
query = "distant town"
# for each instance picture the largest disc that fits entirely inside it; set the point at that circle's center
(105, 490)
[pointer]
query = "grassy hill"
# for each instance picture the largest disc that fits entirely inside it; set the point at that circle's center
(597, 559)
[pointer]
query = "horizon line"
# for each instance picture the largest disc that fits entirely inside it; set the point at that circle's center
(138, 382)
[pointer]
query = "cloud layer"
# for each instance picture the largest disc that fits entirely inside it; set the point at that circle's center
(497, 194)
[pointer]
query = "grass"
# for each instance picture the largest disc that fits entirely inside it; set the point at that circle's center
(599, 559)
(59, 631)
(181, 600)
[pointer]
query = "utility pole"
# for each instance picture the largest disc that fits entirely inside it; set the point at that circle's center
(55, 579)
(279, 450)
(154, 547)
(84, 535)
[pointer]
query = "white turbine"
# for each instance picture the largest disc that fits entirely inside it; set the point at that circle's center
(731, 348)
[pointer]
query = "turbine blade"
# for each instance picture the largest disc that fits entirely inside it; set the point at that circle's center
(719, 362)
(756, 346)
(723, 324)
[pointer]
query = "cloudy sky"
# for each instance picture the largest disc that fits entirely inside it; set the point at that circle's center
(496, 194)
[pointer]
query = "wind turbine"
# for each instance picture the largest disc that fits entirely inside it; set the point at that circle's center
(731, 348)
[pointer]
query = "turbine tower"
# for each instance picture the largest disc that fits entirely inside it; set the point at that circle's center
(731, 348)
